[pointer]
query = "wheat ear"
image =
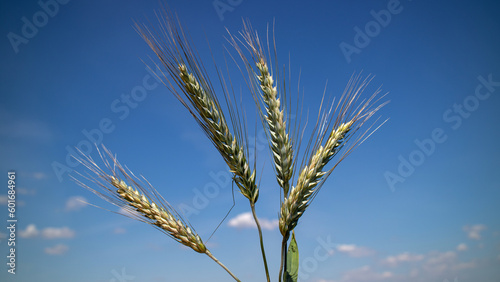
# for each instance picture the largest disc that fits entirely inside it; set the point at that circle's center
(349, 119)
(215, 125)
(141, 201)
(186, 78)
(273, 112)
(298, 200)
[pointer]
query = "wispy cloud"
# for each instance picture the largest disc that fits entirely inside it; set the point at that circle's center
(75, 203)
(24, 191)
(410, 267)
(39, 175)
(56, 233)
(47, 233)
(474, 231)
(462, 247)
(401, 258)
(29, 232)
(4, 200)
(354, 250)
(245, 220)
(363, 274)
(25, 129)
(57, 249)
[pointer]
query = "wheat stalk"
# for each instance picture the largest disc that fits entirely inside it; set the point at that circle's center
(142, 202)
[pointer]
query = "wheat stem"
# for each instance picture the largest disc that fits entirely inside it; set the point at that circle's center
(222, 265)
(261, 240)
(282, 271)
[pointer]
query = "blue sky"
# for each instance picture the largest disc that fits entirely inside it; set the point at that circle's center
(417, 202)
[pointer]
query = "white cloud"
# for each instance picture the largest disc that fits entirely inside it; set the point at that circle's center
(29, 232)
(245, 220)
(444, 264)
(462, 247)
(24, 191)
(55, 233)
(47, 233)
(57, 249)
(354, 250)
(474, 231)
(75, 203)
(423, 268)
(366, 274)
(403, 257)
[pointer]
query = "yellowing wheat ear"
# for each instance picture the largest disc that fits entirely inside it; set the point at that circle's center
(140, 199)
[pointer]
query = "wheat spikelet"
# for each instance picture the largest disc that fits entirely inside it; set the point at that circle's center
(295, 205)
(159, 216)
(186, 78)
(348, 120)
(221, 137)
(280, 143)
(142, 202)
